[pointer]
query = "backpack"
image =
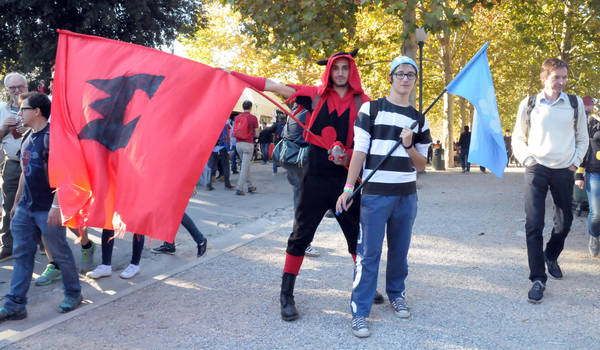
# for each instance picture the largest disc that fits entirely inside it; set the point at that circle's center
(531, 105)
(241, 127)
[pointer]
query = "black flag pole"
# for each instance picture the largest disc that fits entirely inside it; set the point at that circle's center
(388, 155)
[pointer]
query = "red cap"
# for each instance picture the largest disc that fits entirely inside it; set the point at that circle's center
(588, 101)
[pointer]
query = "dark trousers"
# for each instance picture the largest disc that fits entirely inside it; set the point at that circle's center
(464, 162)
(11, 173)
(317, 195)
(234, 157)
(220, 158)
(538, 179)
(189, 225)
(108, 242)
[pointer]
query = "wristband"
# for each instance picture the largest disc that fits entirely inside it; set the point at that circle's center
(349, 188)
(407, 148)
(55, 206)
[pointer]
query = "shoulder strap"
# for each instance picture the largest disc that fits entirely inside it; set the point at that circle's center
(373, 110)
(315, 101)
(575, 106)
(358, 101)
(530, 106)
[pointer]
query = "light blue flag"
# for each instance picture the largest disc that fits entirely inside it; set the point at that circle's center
(474, 83)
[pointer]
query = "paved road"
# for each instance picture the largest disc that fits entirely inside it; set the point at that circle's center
(467, 283)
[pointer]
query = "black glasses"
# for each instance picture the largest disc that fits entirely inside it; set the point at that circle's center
(25, 108)
(409, 75)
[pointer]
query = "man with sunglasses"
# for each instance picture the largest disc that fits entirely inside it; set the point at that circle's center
(15, 84)
(389, 199)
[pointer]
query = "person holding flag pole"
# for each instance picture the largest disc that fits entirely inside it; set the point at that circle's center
(390, 198)
(474, 83)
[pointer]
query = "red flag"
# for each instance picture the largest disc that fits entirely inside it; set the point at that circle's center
(131, 131)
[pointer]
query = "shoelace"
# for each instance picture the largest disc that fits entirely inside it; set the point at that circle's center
(399, 304)
(359, 323)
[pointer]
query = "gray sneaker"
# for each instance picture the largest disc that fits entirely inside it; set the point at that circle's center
(400, 307)
(594, 246)
(50, 274)
(359, 327)
(87, 258)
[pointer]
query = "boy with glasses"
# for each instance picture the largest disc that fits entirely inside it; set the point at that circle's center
(389, 199)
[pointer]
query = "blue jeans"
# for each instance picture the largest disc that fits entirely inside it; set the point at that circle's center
(27, 227)
(592, 186)
(264, 150)
(294, 177)
(398, 213)
(234, 157)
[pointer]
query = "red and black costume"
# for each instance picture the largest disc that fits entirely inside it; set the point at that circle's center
(330, 119)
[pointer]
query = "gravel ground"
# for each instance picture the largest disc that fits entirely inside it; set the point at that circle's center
(467, 288)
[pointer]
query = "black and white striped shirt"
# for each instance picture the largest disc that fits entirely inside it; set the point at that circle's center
(397, 176)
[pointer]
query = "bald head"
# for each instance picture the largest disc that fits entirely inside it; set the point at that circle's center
(15, 84)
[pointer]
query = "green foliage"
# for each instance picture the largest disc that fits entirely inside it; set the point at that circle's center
(284, 39)
(28, 27)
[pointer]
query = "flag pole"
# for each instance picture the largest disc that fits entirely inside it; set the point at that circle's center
(388, 155)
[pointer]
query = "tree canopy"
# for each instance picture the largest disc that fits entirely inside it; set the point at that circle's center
(28, 27)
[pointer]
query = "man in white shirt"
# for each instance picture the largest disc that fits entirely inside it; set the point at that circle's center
(550, 138)
(15, 84)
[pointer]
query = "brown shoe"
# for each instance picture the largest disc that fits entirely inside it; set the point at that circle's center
(251, 189)
(240, 193)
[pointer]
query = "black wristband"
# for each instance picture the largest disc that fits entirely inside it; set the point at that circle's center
(407, 148)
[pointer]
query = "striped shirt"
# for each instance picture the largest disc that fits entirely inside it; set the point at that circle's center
(397, 176)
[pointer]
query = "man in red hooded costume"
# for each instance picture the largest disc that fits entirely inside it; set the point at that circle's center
(333, 107)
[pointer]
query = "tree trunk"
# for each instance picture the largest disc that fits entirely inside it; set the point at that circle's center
(448, 135)
(464, 116)
(567, 35)
(409, 46)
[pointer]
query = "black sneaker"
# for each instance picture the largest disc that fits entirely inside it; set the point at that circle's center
(536, 293)
(553, 268)
(202, 248)
(378, 299)
(5, 255)
(240, 193)
(165, 248)
(210, 187)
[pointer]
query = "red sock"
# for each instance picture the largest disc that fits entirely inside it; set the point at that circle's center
(292, 264)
